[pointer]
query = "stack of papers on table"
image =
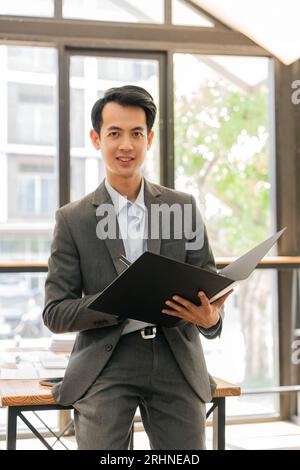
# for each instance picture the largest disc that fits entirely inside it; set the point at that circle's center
(32, 366)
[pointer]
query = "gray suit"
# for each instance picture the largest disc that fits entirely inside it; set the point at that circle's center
(81, 265)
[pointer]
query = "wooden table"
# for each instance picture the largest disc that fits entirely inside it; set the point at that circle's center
(27, 395)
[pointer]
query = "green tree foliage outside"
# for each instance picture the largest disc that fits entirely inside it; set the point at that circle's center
(222, 152)
(222, 146)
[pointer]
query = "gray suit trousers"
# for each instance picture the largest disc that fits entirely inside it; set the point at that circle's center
(141, 372)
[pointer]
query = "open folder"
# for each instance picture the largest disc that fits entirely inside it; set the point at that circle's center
(141, 290)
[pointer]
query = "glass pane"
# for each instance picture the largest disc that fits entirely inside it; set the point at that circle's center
(21, 304)
(247, 351)
(185, 14)
(222, 156)
(222, 145)
(89, 78)
(28, 152)
(129, 11)
(77, 117)
(32, 59)
(30, 114)
(28, 8)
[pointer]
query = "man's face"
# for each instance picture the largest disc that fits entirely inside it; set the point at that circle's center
(123, 139)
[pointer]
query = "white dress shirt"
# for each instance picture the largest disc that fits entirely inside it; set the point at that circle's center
(132, 223)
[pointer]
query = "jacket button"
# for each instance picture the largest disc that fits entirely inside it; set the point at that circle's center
(108, 347)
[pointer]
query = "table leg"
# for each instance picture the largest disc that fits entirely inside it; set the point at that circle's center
(11, 434)
(219, 425)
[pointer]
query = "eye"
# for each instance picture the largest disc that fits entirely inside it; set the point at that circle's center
(113, 134)
(138, 134)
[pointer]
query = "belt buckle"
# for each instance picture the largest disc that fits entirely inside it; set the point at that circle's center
(148, 336)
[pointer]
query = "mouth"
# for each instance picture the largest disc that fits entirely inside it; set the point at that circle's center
(125, 159)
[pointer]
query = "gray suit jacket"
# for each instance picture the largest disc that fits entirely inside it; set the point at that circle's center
(81, 265)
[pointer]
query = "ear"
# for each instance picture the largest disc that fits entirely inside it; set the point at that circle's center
(95, 138)
(150, 139)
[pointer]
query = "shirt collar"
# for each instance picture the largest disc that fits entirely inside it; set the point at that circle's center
(120, 201)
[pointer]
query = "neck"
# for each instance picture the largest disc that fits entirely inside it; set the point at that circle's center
(129, 187)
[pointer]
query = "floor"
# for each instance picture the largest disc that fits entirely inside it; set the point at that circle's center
(274, 435)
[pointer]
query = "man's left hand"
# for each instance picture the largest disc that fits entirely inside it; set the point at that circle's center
(205, 315)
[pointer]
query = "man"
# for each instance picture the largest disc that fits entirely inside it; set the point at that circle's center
(118, 365)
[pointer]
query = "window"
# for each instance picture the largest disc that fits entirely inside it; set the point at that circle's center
(36, 195)
(89, 78)
(30, 114)
(28, 8)
(28, 151)
(185, 14)
(77, 117)
(21, 304)
(247, 351)
(223, 141)
(222, 145)
(31, 59)
(129, 11)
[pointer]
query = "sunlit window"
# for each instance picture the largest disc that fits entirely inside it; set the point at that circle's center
(130, 11)
(27, 8)
(28, 151)
(223, 141)
(186, 14)
(90, 77)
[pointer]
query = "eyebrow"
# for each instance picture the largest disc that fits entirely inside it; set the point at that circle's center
(115, 128)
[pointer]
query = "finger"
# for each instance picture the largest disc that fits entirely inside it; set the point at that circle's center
(204, 299)
(186, 303)
(169, 312)
(175, 306)
(174, 314)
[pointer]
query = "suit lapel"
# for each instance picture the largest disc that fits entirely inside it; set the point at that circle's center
(115, 246)
(152, 198)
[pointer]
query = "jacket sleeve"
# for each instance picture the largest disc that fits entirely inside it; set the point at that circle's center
(65, 309)
(200, 254)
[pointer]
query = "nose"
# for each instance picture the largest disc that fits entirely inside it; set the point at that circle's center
(126, 143)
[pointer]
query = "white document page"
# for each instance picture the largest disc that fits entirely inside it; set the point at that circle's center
(242, 267)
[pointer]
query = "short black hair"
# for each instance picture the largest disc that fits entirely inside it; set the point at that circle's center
(127, 95)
